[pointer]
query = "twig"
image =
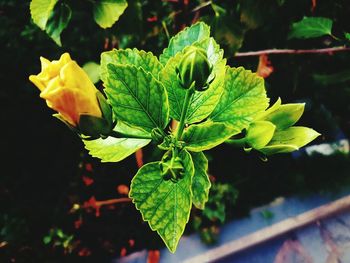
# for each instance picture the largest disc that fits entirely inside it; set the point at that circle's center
(205, 4)
(113, 201)
(292, 51)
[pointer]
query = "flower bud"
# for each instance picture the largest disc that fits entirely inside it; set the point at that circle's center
(68, 90)
(172, 167)
(157, 135)
(194, 69)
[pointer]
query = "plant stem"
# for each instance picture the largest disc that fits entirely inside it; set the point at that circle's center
(292, 51)
(113, 201)
(184, 110)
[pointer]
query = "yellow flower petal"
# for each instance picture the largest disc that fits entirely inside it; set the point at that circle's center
(67, 89)
(37, 82)
(45, 63)
(75, 77)
(65, 58)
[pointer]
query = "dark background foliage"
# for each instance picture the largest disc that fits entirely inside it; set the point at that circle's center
(44, 164)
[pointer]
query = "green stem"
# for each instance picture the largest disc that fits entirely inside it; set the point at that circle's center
(335, 38)
(187, 100)
(116, 134)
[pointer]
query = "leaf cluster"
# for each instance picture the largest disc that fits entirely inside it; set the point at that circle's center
(148, 101)
(53, 16)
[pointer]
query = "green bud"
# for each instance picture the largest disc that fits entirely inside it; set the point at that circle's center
(194, 69)
(157, 135)
(172, 167)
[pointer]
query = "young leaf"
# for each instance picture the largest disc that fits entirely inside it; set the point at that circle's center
(138, 58)
(202, 103)
(41, 10)
(260, 133)
(114, 149)
(186, 37)
(107, 12)
(310, 27)
(200, 182)
(286, 115)
(136, 97)
(289, 140)
(204, 136)
(280, 148)
(297, 136)
(58, 21)
(165, 204)
(243, 98)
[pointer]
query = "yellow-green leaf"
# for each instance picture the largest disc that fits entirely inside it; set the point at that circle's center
(41, 10)
(204, 136)
(260, 133)
(200, 182)
(107, 12)
(164, 204)
(184, 38)
(136, 97)
(138, 58)
(243, 98)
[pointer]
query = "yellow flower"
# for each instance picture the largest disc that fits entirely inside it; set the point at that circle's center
(67, 89)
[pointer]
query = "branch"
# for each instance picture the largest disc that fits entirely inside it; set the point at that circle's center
(293, 51)
(113, 201)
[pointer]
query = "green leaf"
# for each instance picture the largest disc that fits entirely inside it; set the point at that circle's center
(51, 17)
(166, 205)
(202, 103)
(310, 27)
(347, 36)
(286, 115)
(289, 140)
(107, 12)
(200, 182)
(243, 98)
(92, 69)
(297, 136)
(116, 149)
(136, 97)
(41, 10)
(260, 133)
(138, 58)
(281, 148)
(186, 37)
(206, 135)
(58, 21)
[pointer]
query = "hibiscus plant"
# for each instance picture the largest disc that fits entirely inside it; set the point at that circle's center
(186, 101)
